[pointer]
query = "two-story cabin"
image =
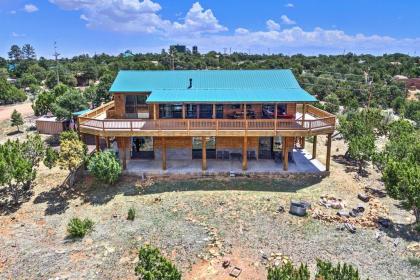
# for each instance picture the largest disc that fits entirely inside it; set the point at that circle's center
(208, 114)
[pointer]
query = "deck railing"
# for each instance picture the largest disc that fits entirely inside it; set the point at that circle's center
(320, 119)
(204, 124)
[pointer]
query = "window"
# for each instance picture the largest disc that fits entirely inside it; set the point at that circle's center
(191, 111)
(206, 111)
(197, 144)
(219, 111)
(170, 111)
(282, 109)
(136, 105)
(235, 106)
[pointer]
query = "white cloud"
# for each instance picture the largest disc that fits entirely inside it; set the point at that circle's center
(286, 20)
(289, 5)
(199, 20)
(241, 31)
(17, 35)
(141, 16)
(30, 8)
(201, 27)
(272, 25)
(295, 39)
(12, 12)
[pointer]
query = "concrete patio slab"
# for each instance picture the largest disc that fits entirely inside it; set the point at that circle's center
(302, 164)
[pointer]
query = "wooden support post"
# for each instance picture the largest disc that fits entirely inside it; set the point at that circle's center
(97, 143)
(303, 125)
(275, 118)
(214, 111)
(183, 110)
(328, 159)
(154, 111)
(245, 111)
(198, 111)
(204, 153)
(125, 144)
(163, 153)
(286, 159)
(108, 142)
(314, 147)
(245, 154)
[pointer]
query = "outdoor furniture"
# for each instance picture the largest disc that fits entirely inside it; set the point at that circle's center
(219, 155)
(237, 156)
(277, 157)
(251, 155)
(226, 155)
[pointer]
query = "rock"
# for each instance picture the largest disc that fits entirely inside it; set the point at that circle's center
(226, 263)
(343, 213)
(363, 197)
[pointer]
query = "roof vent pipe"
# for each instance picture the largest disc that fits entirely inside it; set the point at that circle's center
(190, 86)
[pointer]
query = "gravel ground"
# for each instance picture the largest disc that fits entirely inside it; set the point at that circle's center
(197, 224)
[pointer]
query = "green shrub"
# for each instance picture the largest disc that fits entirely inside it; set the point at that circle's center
(326, 271)
(288, 272)
(414, 261)
(105, 167)
(68, 135)
(79, 228)
(131, 214)
(153, 266)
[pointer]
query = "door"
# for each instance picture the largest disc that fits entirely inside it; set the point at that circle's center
(265, 149)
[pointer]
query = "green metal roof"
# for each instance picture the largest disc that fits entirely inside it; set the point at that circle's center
(76, 114)
(213, 86)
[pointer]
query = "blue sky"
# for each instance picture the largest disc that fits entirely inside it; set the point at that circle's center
(291, 26)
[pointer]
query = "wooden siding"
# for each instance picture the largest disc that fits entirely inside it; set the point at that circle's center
(173, 142)
(49, 127)
(235, 142)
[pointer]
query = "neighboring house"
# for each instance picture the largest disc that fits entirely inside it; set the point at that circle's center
(208, 114)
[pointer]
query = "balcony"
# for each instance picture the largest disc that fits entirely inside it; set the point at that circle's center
(313, 122)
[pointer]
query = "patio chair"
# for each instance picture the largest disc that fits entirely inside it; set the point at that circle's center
(226, 155)
(219, 155)
(251, 155)
(277, 157)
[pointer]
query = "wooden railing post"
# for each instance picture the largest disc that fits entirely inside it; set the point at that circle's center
(131, 125)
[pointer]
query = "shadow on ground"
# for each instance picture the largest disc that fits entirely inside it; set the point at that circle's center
(351, 166)
(237, 184)
(58, 198)
(407, 232)
(12, 200)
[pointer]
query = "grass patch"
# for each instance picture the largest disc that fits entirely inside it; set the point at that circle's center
(79, 228)
(414, 261)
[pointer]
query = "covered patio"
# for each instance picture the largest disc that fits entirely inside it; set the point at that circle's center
(303, 163)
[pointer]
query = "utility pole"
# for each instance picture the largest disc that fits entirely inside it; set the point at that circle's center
(56, 55)
(369, 88)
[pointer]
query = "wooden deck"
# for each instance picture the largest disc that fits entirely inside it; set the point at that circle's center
(96, 123)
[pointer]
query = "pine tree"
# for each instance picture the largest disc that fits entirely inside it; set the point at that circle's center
(16, 119)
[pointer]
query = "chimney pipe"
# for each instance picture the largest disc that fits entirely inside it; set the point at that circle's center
(190, 86)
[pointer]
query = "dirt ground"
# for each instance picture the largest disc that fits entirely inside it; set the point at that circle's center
(199, 223)
(8, 132)
(24, 108)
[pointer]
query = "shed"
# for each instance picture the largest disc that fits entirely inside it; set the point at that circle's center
(50, 125)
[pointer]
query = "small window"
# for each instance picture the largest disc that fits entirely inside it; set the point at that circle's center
(235, 106)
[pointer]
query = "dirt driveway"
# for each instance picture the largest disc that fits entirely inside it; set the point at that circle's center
(24, 108)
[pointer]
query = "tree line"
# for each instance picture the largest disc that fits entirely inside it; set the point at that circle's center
(350, 81)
